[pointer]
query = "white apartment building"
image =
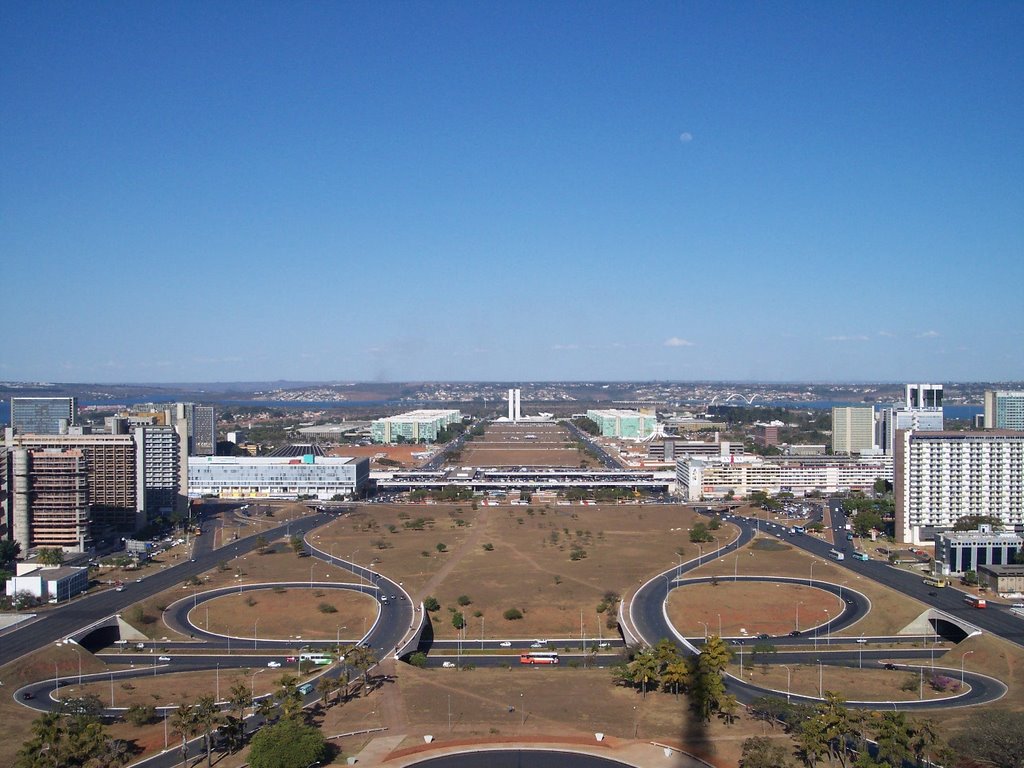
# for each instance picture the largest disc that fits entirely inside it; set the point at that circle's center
(715, 477)
(942, 476)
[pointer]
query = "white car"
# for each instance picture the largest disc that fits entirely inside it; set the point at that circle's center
(861, 640)
(537, 645)
(505, 644)
(274, 664)
(448, 664)
(164, 658)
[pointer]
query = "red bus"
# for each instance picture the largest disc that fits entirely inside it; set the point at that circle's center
(539, 657)
(975, 602)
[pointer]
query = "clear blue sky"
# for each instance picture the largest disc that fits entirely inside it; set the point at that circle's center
(195, 191)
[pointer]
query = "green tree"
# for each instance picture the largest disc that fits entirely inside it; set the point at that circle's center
(183, 723)
(893, 736)
(676, 675)
(431, 604)
(288, 696)
(699, 534)
(50, 555)
(239, 699)
(458, 620)
(762, 752)
(261, 544)
(362, 659)
(206, 716)
(298, 546)
(325, 687)
(645, 670)
(70, 741)
(708, 687)
(924, 738)
(140, 714)
(418, 659)
(9, 551)
(287, 744)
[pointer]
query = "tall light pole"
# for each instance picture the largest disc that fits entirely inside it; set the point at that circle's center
(789, 677)
(841, 593)
(828, 627)
(311, 573)
(719, 625)
(252, 688)
(736, 568)
(705, 630)
(821, 690)
(254, 632)
(962, 659)
(72, 645)
(810, 580)
(797, 627)
(860, 652)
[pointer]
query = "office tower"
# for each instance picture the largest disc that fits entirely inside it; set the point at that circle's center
(921, 410)
(853, 429)
(1004, 409)
(923, 396)
(162, 481)
(940, 477)
(43, 415)
(202, 428)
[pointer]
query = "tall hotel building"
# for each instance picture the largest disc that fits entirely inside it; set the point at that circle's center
(43, 415)
(853, 429)
(1004, 410)
(942, 476)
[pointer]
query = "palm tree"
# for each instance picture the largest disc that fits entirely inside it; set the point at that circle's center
(240, 699)
(206, 716)
(325, 687)
(184, 722)
(361, 658)
(923, 738)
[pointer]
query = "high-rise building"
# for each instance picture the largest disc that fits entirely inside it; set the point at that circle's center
(1004, 409)
(940, 477)
(50, 492)
(515, 411)
(43, 415)
(923, 396)
(162, 481)
(853, 429)
(202, 428)
(921, 410)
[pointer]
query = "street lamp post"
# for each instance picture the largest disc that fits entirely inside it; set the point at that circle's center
(311, 574)
(828, 627)
(705, 630)
(719, 625)
(860, 652)
(254, 632)
(810, 580)
(71, 644)
(252, 688)
(821, 690)
(797, 626)
(962, 659)
(789, 677)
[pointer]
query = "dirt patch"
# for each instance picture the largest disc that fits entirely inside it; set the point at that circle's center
(868, 684)
(775, 609)
(289, 613)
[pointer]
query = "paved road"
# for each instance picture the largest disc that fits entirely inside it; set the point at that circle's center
(63, 621)
(648, 617)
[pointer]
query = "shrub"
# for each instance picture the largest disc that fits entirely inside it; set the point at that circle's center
(512, 614)
(326, 608)
(441, 547)
(463, 600)
(431, 604)
(418, 659)
(488, 547)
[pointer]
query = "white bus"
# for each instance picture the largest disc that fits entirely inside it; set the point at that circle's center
(835, 554)
(320, 659)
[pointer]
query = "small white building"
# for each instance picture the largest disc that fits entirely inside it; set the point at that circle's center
(52, 583)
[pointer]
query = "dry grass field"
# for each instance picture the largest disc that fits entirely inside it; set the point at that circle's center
(286, 613)
(869, 684)
(750, 607)
(530, 565)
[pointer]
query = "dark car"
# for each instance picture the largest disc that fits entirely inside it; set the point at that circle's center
(795, 633)
(27, 695)
(890, 666)
(763, 636)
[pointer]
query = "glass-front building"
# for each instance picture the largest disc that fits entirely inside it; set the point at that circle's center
(42, 415)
